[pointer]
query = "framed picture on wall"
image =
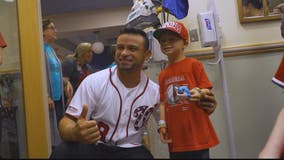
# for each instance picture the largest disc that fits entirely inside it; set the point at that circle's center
(259, 10)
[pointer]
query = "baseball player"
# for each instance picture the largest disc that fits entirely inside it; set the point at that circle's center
(117, 102)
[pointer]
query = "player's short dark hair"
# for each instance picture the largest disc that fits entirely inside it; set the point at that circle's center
(137, 32)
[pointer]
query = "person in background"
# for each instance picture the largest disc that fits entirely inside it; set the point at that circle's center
(3, 44)
(184, 123)
(54, 80)
(76, 67)
(274, 147)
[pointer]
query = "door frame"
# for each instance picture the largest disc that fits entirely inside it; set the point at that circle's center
(33, 78)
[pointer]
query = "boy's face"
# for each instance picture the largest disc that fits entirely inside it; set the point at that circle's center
(171, 44)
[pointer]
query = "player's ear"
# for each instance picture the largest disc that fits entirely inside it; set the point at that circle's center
(148, 54)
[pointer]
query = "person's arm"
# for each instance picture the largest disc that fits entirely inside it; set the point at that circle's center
(206, 99)
(68, 89)
(68, 66)
(275, 145)
(51, 104)
(162, 127)
(2, 45)
(208, 102)
(80, 130)
(1, 55)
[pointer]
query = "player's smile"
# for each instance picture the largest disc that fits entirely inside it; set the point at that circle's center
(125, 60)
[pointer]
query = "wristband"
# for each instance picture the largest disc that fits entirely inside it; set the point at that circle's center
(162, 123)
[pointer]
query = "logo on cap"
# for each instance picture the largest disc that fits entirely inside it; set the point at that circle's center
(173, 26)
(177, 27)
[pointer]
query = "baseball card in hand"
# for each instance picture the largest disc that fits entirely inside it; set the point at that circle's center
(177, 93)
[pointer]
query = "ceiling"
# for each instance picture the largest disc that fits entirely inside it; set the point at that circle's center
(51, 7)
(68, 41)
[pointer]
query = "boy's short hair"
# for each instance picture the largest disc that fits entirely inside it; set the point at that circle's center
(175, 27)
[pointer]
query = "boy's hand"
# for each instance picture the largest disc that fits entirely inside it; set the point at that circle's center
(195, 95)
(208, 102)
(164, 135)
(51, 104)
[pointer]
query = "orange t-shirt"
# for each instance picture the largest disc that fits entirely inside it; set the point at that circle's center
(278, 78)
(189, 126)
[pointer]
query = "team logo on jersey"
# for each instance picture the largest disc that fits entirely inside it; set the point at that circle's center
(142, 114)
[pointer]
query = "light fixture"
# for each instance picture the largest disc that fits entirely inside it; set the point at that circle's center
(98, 47)
(8, 0)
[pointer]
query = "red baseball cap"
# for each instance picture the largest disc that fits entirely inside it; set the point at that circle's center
(172, 26)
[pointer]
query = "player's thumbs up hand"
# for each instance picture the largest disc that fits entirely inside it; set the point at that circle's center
(86, 131)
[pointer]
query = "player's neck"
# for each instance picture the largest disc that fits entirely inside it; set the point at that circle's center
(130, 80)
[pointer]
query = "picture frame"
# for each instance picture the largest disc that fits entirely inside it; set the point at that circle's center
(259, 10)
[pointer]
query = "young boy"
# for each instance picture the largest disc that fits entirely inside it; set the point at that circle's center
(274, 147)
(183, 124)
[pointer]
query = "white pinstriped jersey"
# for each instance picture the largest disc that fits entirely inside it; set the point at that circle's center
(121, 113)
